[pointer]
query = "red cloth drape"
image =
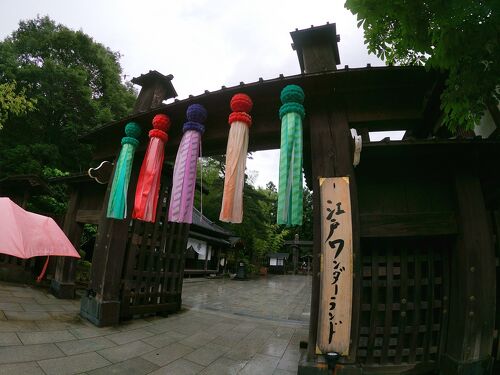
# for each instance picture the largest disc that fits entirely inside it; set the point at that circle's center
(148, 185)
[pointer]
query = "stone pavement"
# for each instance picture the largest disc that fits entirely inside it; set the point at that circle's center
(273, 297)
(40, 334)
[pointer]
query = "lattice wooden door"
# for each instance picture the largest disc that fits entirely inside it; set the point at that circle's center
(154, 263)
(404, 300)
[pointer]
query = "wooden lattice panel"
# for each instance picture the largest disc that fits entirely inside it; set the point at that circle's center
(154, 263)
(404, 300)
(25, 264)
(16, 269)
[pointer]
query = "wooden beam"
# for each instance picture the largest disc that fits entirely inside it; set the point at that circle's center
(384, 115)
(88, 216)
(408, 224)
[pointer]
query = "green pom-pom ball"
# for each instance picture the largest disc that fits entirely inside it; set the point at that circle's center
(292, 93)
(133, 130)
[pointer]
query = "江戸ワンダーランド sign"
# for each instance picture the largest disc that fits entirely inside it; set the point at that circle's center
(334, 326)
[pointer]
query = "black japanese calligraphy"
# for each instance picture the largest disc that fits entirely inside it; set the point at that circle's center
(337, 245)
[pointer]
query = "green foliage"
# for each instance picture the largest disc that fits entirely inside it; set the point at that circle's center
(460, 37)
(76, 85)
(54, 203)
(259, 231)
(89, 233)
(272, 241)
(13, 103)
(46, 204)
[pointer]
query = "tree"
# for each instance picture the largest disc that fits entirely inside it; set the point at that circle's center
(259, 232)
(257, 212)
(13, 103)
(76, 85)
(460, 37)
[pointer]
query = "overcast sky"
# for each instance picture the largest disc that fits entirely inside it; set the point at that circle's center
(204, 43)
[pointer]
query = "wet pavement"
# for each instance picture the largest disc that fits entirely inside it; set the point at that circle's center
(281, 298)
(226, 327)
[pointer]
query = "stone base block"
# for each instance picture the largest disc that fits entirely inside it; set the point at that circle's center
(312, 367)
(451, 366)
(62, 290)
(100, 313)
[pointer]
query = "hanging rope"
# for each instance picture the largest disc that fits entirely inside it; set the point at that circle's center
(290, 173)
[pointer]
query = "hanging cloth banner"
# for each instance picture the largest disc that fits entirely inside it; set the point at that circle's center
(184, 176)
(148, 185)
(236, 157)
(290, 176)
(117, 203)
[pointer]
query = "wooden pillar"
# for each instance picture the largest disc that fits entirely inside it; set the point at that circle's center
(206, 258)
(218, 259)
(473, 282)
(332, 156)
(295, 253)
(101, 305)
(63, 283)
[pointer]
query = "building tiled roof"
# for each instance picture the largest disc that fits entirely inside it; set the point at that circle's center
(203, 222)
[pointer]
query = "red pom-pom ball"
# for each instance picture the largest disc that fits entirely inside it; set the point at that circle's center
(241, 103)
(161, 122)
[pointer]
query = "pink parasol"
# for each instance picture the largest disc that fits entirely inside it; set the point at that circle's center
(25, 235)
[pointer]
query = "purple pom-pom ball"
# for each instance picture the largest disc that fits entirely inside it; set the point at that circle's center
(196, 113)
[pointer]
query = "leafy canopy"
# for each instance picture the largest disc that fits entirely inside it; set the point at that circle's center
(76, 85)
(13, 103)
(460, 37)
(259, 232)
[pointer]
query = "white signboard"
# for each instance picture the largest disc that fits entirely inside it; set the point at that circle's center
(334, 328)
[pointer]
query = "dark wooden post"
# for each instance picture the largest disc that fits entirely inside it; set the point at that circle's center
(206, 260)
(295, 253)
(218, 259)
(472, 296)
(101, 305)
(332, 156)
(63, 283)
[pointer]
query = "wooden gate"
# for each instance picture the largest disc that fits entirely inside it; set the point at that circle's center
(14, 269)
(404, 301)
(154, 263)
